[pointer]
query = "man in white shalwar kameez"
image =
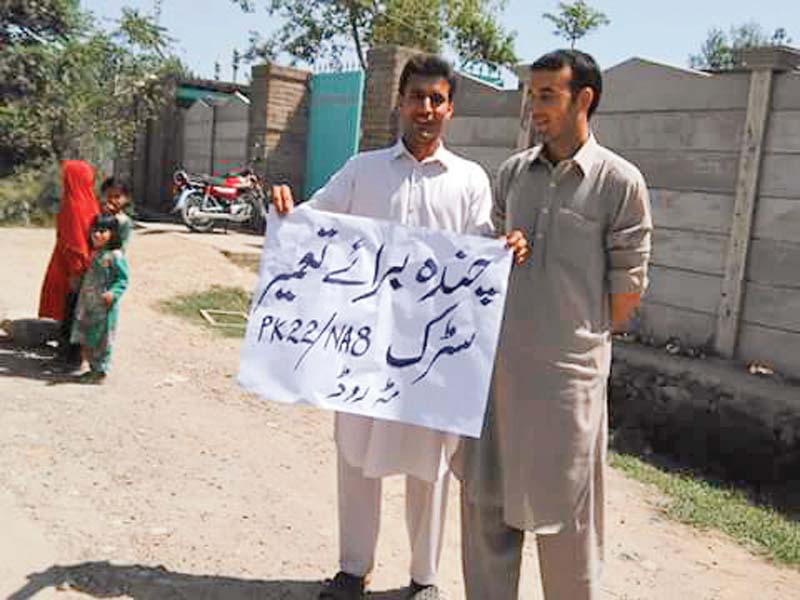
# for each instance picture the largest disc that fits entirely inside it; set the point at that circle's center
(416, 182)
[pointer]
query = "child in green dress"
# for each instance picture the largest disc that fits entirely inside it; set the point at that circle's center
(98, 302)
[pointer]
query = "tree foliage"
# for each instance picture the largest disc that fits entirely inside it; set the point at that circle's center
(315, 31)
(719, 50)
(575, 19)
(24, 28)
(30, 21)
(70, 88)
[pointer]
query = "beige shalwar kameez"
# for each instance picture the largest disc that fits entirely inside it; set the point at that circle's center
(539, 464)
(445, 192)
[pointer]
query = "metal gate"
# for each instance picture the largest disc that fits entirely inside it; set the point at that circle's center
(334, 125)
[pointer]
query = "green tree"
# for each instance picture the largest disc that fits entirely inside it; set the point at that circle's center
(24, 28)
(23, 21)
(719, 50)
(324, 30)
(77, 89)
(575, 19)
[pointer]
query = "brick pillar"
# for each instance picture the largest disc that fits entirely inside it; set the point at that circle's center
(379, 119)
(257, 118)
(278, 123)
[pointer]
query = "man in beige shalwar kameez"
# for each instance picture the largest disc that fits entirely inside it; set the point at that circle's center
(539, 464)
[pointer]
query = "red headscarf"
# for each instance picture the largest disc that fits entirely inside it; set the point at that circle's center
(70, 258)
(76, 212)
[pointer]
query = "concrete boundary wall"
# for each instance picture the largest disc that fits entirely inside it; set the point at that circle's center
(485, 123)
(215, 135)
(686, 131)
(197, 137)
(175, 137)
(230, 134)
(638, 85)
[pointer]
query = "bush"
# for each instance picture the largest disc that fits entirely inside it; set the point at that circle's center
(29, 196)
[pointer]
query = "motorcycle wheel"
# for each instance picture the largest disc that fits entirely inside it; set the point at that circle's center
(258, 213)
(193, 205)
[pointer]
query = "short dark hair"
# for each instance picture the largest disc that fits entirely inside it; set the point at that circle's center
(585, 72)
(116, 183)
(428, 65)
(102, 222)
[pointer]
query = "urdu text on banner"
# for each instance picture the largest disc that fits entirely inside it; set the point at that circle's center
(377, 319)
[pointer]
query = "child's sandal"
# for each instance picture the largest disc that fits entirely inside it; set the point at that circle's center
(93, 377)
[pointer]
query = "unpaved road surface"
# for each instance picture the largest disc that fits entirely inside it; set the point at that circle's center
(168, 482)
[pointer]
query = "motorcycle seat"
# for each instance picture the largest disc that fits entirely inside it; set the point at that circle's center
(224, 191)
(236, 181)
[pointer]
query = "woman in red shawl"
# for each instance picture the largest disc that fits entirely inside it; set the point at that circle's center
(71, 255)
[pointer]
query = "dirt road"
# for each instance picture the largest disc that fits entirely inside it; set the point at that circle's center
(169, 482)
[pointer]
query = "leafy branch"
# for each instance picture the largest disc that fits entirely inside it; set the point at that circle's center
(576, 19)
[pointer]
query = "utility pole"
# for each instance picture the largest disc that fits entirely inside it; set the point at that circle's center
(157, 11)
(236, 59)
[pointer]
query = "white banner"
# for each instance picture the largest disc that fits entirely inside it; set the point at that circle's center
(375, 318)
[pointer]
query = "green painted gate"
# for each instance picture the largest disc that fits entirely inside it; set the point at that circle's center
(334, 125)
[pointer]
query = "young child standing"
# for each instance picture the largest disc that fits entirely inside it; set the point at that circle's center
(98, 303)
(115, 196)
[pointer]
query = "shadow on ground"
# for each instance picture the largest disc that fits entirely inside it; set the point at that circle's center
(29, 363)
(154, 232)
(104, 580)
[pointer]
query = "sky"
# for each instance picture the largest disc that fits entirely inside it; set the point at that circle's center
(206, 31)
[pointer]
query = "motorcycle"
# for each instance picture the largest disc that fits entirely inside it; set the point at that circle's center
(233, 198)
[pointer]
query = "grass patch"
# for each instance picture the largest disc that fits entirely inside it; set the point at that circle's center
(188, 306)
(245, 261)
(705, 505)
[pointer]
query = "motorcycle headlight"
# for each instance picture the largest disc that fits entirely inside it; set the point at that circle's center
(179, 178)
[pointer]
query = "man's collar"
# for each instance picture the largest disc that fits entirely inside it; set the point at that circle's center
(534, 154)
(442, 155)
(585, 157)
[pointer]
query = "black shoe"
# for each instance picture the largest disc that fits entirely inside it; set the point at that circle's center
(417, 591)
(343, 587)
